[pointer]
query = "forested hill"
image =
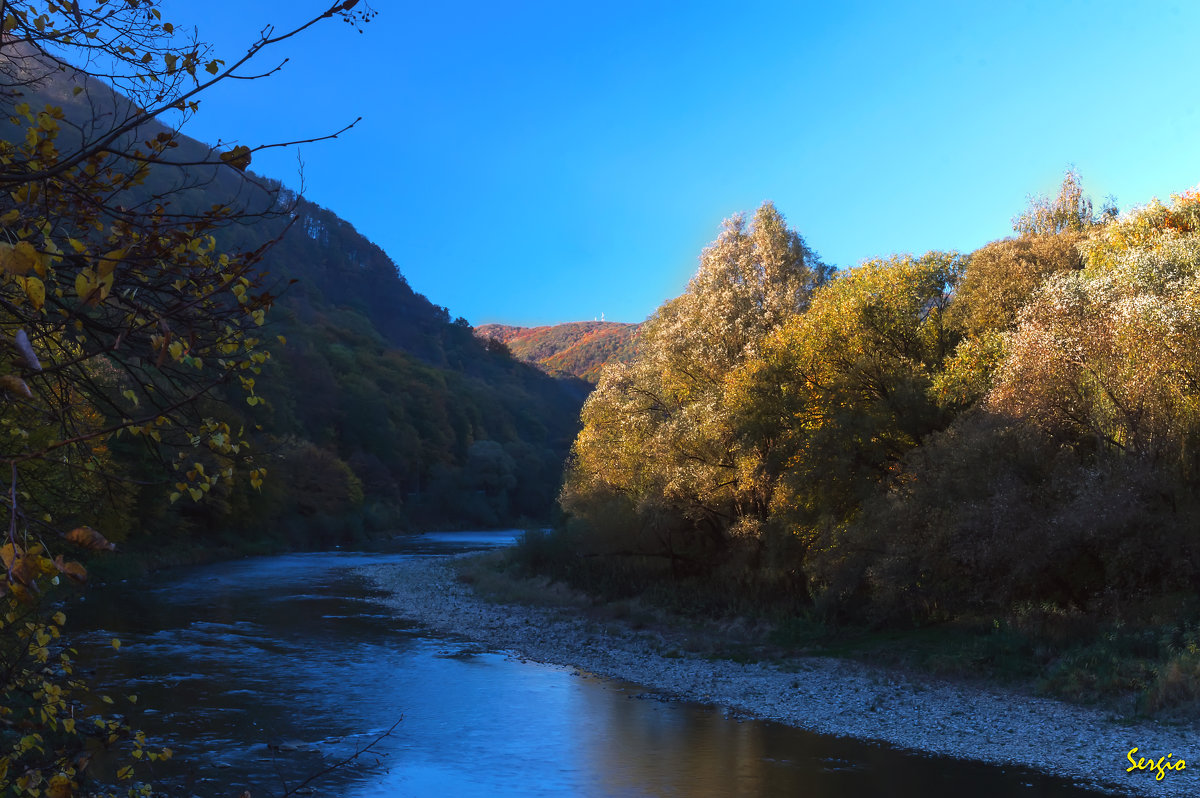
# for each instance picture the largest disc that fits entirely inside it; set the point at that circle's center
(580, 348)
(384, 411)
(377, 409)
(438, 427)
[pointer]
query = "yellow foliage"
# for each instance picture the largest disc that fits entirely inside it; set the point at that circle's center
(657, 432)
(1111, 354)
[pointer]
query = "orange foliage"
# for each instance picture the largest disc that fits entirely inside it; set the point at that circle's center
(1183, 216)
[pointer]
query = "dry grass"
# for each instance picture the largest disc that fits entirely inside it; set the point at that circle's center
(1176, 691)
(491, 580)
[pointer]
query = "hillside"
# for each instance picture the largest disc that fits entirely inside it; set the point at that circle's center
(580, 348)
(378, 409)
(425, 415)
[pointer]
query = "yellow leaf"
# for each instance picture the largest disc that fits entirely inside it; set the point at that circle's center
(85, 283)
(9, 553)
(60, 786)
(89, 538)
(238, 157)
(106, 284)
(35, 289)
(20, 258)
(116, 644)
(93, 288)
(109, 261)
(73, 570)
(30, 191)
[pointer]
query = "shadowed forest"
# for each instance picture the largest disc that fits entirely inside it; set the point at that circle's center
(371, 408)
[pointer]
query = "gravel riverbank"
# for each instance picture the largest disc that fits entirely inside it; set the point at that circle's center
(824, 695)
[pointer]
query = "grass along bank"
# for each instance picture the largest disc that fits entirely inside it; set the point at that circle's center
(1143, 664)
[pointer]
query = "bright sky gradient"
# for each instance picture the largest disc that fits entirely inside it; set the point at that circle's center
(534, 163)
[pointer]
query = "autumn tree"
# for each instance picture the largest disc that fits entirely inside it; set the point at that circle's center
(1001, 277)
(657, 444)
(120, 315)
(1072, 482)
(1107, 356)
(837, 395)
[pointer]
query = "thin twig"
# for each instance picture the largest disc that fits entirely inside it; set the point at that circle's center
(342, 763)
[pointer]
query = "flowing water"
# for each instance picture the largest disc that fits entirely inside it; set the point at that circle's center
(261, 672)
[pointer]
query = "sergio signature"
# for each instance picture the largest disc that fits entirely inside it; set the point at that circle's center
(1163, 764)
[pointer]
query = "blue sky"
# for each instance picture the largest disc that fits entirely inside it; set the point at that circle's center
(534, 163)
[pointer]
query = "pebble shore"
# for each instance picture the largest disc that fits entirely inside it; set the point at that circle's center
(824, 695)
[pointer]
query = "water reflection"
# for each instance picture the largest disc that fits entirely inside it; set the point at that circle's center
(262, 671)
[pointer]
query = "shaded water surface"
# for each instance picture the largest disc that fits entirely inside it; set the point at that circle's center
(263, 671)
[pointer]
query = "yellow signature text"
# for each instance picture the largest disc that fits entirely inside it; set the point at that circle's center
(1163, 764)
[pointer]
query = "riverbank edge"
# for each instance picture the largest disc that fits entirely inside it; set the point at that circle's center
(820, 694)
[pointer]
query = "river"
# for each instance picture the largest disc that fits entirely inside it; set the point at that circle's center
(262, 671)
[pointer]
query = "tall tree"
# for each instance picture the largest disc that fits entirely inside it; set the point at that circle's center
(657, 435)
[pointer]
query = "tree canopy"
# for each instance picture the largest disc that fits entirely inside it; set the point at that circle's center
(918, 437)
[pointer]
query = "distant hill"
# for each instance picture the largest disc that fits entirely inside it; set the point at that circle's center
(580, 348)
